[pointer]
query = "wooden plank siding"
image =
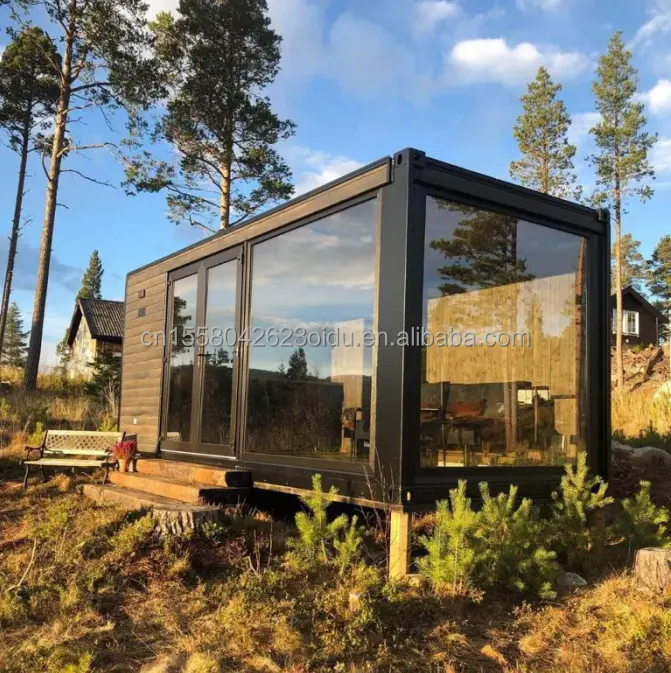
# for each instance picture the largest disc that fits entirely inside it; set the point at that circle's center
(142, 367)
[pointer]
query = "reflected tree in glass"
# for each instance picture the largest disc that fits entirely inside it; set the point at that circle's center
(182, 355)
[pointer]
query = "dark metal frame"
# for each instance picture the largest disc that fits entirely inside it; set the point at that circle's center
(394, 475)
(422, 486)
(278, 459)
(195, 447)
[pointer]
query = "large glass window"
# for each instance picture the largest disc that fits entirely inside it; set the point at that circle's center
(182, 359)
(310, 358)
(218, 356)
(503, 354)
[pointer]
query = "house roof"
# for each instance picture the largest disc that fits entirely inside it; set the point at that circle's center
(104, 317)
(628, 289)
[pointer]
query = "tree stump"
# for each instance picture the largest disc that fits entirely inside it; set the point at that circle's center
(174, 521)
(652, 567)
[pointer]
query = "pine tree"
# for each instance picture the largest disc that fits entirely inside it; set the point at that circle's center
(633, 264)
(103, 65)
(298, 366)
(28, 92)
(451, 554)
(221, 56)
(14, 353)
(541, 132)
(621, 161)
(92, 279)
(659, 274)
(579, 493)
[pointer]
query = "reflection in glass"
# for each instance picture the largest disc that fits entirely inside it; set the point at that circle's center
(182, 354)
(310, 370)
(503, 361)
(218, 355)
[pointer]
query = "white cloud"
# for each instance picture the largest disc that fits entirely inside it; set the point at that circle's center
(359, 60)
(314, 168)
(659, 97)
(660, 155)
(352, 50)
(493, 60)
(429, 14)
(658, 24)
(545, 5)
(581, 123)
(301, 25)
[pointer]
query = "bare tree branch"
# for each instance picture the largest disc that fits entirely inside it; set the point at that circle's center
(88, 177)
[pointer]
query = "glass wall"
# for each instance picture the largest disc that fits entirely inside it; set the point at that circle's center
(503, 344)
(182, 359)
(218, 354)
(309, 390)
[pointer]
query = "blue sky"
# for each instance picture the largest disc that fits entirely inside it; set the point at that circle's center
(363, 79)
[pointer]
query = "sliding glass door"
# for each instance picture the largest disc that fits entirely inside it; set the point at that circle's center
(201, 358)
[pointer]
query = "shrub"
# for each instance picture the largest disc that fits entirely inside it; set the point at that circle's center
(450, 557)
(578, 494)
(641, 523)
(510, 552)
(348, 546)
(501, 546)
(319, 541)
(35, 438)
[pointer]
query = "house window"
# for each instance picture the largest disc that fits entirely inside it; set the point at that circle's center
(630, 322)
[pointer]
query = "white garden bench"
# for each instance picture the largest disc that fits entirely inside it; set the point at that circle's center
(73, 448)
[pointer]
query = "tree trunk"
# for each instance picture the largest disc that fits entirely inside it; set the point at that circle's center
(225, 201)
(16, 224)
(652, 567)
(619, 361)
(44, 260)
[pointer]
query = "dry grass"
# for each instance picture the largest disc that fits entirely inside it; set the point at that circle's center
(615, 627)
(637, 416)
(58, 403)
(85, 588)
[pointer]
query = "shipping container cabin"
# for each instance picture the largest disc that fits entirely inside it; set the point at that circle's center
(406, 326)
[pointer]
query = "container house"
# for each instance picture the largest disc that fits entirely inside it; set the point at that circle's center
(406, 326)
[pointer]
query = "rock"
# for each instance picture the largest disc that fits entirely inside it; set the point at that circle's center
(641, 455)
(652, 568)
(650, 455)
(571, 580)
(618, 447)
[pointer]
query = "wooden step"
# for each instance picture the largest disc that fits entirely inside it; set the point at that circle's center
(194, 473)
(133, 499)
(178, 490)
(171, 516)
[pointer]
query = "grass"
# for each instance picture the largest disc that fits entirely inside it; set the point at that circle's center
(91, 589)
(640, 420)
(58, 403)
(85, 588)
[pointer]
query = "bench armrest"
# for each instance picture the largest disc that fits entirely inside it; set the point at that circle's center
(28, 449)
